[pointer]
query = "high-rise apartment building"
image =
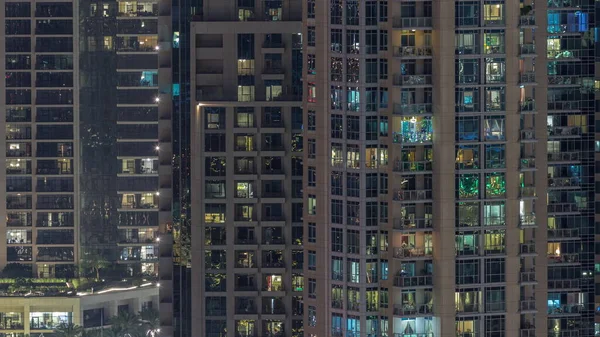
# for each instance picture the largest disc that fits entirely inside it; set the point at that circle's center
(87, 138)
(247, 207)
(448, 168)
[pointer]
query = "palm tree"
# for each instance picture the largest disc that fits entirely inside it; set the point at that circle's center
(150, 321)
(125, 322)
(95, 262)
(68, 330)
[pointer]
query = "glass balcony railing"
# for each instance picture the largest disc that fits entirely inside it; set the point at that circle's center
(563, 233)
(527, 248)
(412, 195)
(563, 208)
(564, 284)
(554, 258)
(412, 224)
(527, 163)
(410, 253)
(413, 80)
(564, 156)
(413, 109)
(413, 281)
(413, 166)
(527, 77)
(413, 52)
(564, 105)
(412, 23)
(527, 106)
(564, 80)
(527, 276)
(527, 49)
(413, 309)
(526, 20)
(564, 131)
(528, 135)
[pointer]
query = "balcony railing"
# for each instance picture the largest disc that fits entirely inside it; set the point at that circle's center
(412, 195)
(527, 163)
(527, 192)
(413, 52)
(562, 80)
(412, 23)
(564, 333)
(527, 77)
(527, 248)
(412, 224)
(528, 135)
(564, 131)
(563, 233)
(413, 166)
(527, 305)
(529, 332)
(417, 334)
(413, 281)
(527, 106)
(409, 253)
(412, 80)
(413, 309)
(467, 308)
(563, 208)
(527, 20)
(563, 258)
(527, 276)
(528, 49)
(564, 105)
(413, 109)
(565, 309)
(564, 284)
(564, 156)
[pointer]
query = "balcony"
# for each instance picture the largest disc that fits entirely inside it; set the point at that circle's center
(563, 258)
(413, 52)
(424, 166)
(412, 224)
(529, 332)
(564, 106)
(467, 308)
(528, 135)
(556, 234)
(565, 310)
(527, 248)
(418, 334)
(564, 81)
(566, 55)
(413, 281)
(564, 156)
(527, 49)
(564, 333)
(527, 106)
(419, 309)
(413, 195)
(527, 192)
(527, 276)
(527, 305)
(413, 253)
(527, 163)
(527, 78)
(413, 109)
(413, 80)
(564, 131)
(563, 182)
(421, 23)
(527, 21)
(563, 208)
(564, 284)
